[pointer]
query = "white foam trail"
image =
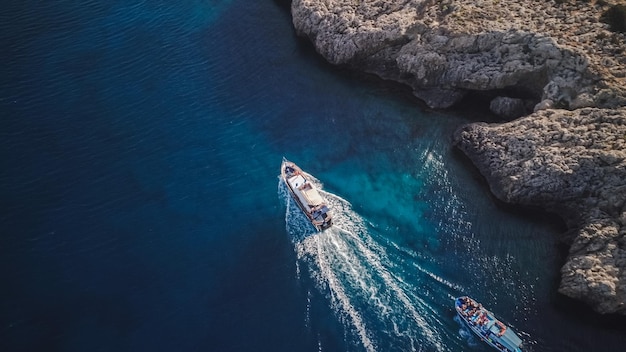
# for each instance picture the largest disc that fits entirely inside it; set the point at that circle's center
(307, 317)
(439, 279)
(315, 246)
(327, 276)
(465, 333)
(390, 282)
(348, 264)
(462, 240)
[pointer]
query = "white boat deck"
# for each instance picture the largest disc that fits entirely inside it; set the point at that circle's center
(306, 195)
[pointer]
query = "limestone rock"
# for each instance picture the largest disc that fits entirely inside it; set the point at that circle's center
(573, 163)
(510, 108)
(553, 55)
(560, 52)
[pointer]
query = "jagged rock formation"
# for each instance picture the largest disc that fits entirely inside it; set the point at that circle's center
(572, 163)
(559, 54)
(526, 55)
(511, 108)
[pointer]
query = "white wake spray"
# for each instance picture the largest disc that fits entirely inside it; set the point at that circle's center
(377, 308)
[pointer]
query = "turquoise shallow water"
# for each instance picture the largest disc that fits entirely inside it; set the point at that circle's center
(141, 210)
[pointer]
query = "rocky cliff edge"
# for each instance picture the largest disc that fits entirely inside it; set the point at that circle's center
(559, 61)
(558, 54)
(572, 163)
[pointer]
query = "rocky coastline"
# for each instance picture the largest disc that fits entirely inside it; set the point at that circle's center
(556, 70)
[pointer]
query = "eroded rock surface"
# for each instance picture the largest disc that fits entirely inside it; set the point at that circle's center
(572, 163)
(556, 58)
(560, 54)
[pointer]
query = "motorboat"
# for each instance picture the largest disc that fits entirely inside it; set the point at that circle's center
(306, 195)
(484, 324)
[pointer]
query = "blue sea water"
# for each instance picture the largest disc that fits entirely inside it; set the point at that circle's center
(140, 144)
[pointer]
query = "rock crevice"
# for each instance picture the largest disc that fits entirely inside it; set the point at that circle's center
(555, 62)
(572, 163)
(562, 53)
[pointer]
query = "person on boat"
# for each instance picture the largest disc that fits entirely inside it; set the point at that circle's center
(466, 301)
(485, 330)
(482, 319)
(464, 309)
(502, 328)
(476, 317)
(471, 313)
(291, 170)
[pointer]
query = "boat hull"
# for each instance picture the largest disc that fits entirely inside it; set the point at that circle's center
(306, 195)
(490, 330)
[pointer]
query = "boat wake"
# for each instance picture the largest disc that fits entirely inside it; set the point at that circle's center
(465, 333)
(376, 307)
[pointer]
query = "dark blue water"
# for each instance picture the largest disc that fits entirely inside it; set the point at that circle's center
(140, 144)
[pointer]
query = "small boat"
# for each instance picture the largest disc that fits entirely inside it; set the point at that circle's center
(484, 324)
(306, 195)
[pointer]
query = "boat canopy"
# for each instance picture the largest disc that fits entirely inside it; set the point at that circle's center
(511, 339)
(306, 195)
(312, 197)
(296, 181)
(502, 335)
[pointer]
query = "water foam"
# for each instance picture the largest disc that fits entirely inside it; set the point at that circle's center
(350, 267)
